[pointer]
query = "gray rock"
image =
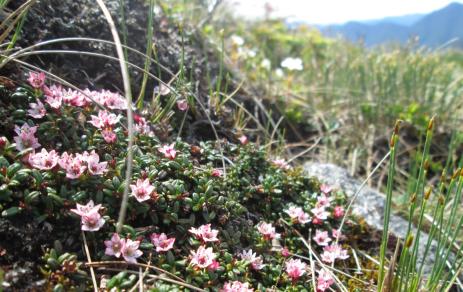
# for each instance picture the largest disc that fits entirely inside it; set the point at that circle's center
(370, 205)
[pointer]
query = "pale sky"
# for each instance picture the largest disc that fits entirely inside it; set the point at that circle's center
(336, 11)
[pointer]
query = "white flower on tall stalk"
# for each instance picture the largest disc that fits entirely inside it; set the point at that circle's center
(292, 64)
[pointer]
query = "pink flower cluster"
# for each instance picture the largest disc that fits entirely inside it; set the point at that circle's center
(142, 126)
(257, 262)
(90, 217)
(324, 280)
(25, 137)
(333, 252)
(323, 202)
(298, 215)
(142, 190)
(205, 233)
(76, 164)
(129, 249)
(236, 286)
(106, 121)
(295, 268)
(281, 163)
(267, 231)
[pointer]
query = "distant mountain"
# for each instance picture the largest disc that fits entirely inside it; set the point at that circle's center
(434, 29)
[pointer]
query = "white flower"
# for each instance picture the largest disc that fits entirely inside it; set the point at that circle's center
(292, 64)
(237, 40)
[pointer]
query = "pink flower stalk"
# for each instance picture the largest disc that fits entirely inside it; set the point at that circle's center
(324, 280)
(326, 189)
(257, 262)
(203, 257)
(338, 212)
(36, 80)
(295, 269)
(94, 166)
(281, 163)
(333, 252)
(142, 190)
(162, 242)
(168, 151)
(182, 105)
(109, 136)
(54, 96)
(44, 160)
(243, 140)
(267, 231)
(321, 238)
(236, 286)
(216, 172)
(104, 120)
(90, 217)
(130, 251)
(26, 137)
(298, 215)
(37, 110)
(205, 233)
(114, 246)
(320, 213)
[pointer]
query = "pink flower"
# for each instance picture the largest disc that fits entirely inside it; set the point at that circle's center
(298, 215)
(142, 127)
(75, 98)
(37, 110)
(104, 120)
(257, 262)
(337, 234)
(281, 163)
(182, 105)
(162, 242)
(111, 100)
(324, 280)
(333, 252)
(44, 160)
(322, 238)
(285, 252)
(74, 165)
(267, 230)
(205, 233)
(114, 246)
(320, 213)
(214, 266)
(323, 201)
(325, 189)
(54, 96)
(130, 251)
(109, 136)
(168, 151)
(94, 166)
(90, 217)
(216, 172)
(203, 257)
(295, 269)
(3, 142)
(26, 137)
(142, 190)
(338, 212)
(36, 80)
(243, 140)
(236, 286)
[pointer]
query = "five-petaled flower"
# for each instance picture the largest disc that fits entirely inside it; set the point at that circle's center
(168, 151)
(333, 252)
(114, 245)
(205, 233)
(26, 137)
(104, 120)
(130, 251)
(44, 160)
(90, 217)
(37, 110)
(338, 212)
(295, 268)
(298, 215)
(36, 80)
(94, 166)
(321, 237)
(54, 96)
(142, 189)
(162, 242)
(236, 286)
(257, 262)
(267, 231)
(324, 280)
(203, 257)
